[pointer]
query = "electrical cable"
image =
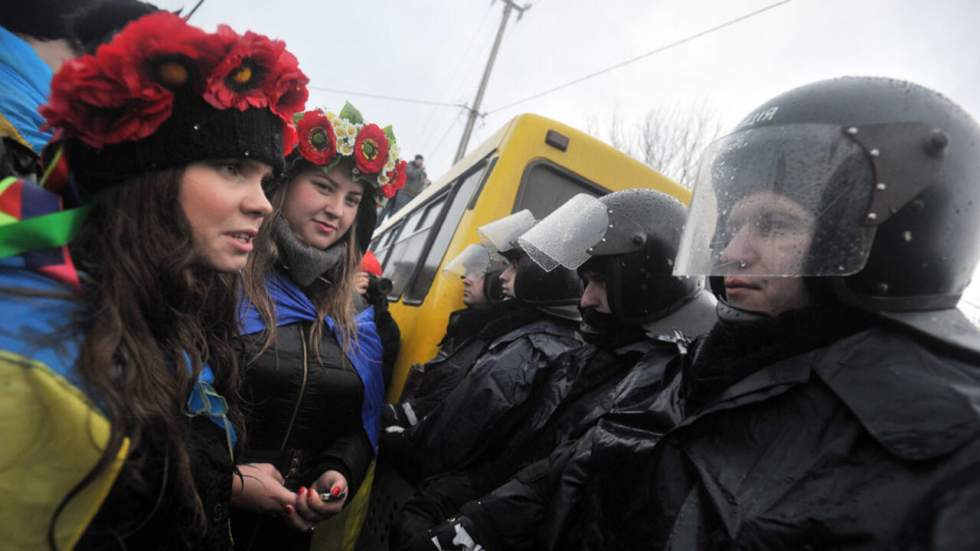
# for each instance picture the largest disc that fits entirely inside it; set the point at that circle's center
(384, 97)
(641, 56)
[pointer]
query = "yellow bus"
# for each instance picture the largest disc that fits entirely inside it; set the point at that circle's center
(531, 163)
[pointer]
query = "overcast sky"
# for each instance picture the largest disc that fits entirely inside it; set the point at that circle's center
(436, 50)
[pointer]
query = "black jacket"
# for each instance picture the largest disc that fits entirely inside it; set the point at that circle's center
(480, 410)
(141, 512)
(511, 516)
(860, 444)
(305, 418)
(468, 334)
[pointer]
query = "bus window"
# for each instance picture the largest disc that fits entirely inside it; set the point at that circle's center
(546, 186)
(408, 247)
(416, 292)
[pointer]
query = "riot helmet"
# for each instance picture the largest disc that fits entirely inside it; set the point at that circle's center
(870, 182)
(475, 260)
(532, 284)
(479, 263)
(630, 239)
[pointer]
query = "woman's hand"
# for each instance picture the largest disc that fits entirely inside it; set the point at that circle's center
(312, 507)
(361, 282)
(260, 489)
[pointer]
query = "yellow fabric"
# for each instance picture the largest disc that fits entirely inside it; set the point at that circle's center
(8, 130)
(340, 533)
(52, 437)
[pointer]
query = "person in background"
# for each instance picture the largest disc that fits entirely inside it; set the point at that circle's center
(35, 40)
(416, 182)
(372, 291)
(120, 377)
(312, 378)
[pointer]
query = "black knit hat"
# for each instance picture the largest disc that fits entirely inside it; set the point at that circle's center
(196, 131)
(162, 94)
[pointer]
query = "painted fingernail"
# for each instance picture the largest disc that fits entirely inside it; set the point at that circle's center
(302, 491)
(335, 491)
(289, 509)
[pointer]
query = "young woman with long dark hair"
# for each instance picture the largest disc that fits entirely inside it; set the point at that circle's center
(117, 351)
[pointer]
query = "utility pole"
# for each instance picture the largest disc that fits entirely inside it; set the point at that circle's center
(509, 6)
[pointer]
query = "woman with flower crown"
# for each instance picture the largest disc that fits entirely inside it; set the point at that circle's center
(312, 380)
(119, 289)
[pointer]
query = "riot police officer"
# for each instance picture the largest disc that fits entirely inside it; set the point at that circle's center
(533, 328)
(834, 403)
(637, 317)
(469, 331)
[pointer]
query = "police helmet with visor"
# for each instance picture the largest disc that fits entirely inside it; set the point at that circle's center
(871, 182)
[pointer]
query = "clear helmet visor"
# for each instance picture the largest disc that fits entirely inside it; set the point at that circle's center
(786, 201)
(475, 261)
(501, 235)
(565, 237)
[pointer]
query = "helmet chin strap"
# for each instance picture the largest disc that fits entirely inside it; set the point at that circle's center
(727, 312)
(733, 314)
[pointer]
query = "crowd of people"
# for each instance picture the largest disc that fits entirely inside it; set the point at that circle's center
(196, 343)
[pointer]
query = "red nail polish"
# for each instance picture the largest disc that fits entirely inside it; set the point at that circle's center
(301, 491)
(335, 491)
(289, 509)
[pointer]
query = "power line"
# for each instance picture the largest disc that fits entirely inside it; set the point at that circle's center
(446, 133)
(384, 97)
(428, 130)
(642, 56)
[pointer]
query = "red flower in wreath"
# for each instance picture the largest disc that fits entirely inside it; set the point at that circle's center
(98, 101)
(318, 141)
(241, 80)
(162, 49)
(290, 138)
(370, 149)
(288, 92)
(396, 180)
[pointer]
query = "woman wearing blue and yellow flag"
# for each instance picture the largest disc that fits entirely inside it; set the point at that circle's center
(312, 379)
(119, 288)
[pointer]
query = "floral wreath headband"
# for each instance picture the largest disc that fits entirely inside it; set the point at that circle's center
(160, 75)
(325, 138)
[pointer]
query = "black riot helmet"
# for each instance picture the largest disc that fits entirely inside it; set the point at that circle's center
(881, 180)
(630, 238)
(532, 284)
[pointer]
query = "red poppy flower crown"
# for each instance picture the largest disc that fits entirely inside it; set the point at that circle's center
(326, 138)
(163, 93)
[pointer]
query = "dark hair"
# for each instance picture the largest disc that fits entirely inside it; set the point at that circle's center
(154, 316)
(40, 19)
(419, 158)
(99, 21)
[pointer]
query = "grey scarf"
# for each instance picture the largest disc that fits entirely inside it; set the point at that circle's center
(305, 263)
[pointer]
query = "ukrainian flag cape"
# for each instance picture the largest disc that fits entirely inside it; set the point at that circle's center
(52, 429)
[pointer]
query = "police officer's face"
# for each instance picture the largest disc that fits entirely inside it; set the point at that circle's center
(473, 290)
(507, 279)
(594, 294)
(768, 234)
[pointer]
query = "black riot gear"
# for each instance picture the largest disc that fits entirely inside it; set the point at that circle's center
(534, 286)
(493, 289)
(629, 238)
(896, 167)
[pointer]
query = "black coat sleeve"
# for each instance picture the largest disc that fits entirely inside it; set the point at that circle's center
(350, 455)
